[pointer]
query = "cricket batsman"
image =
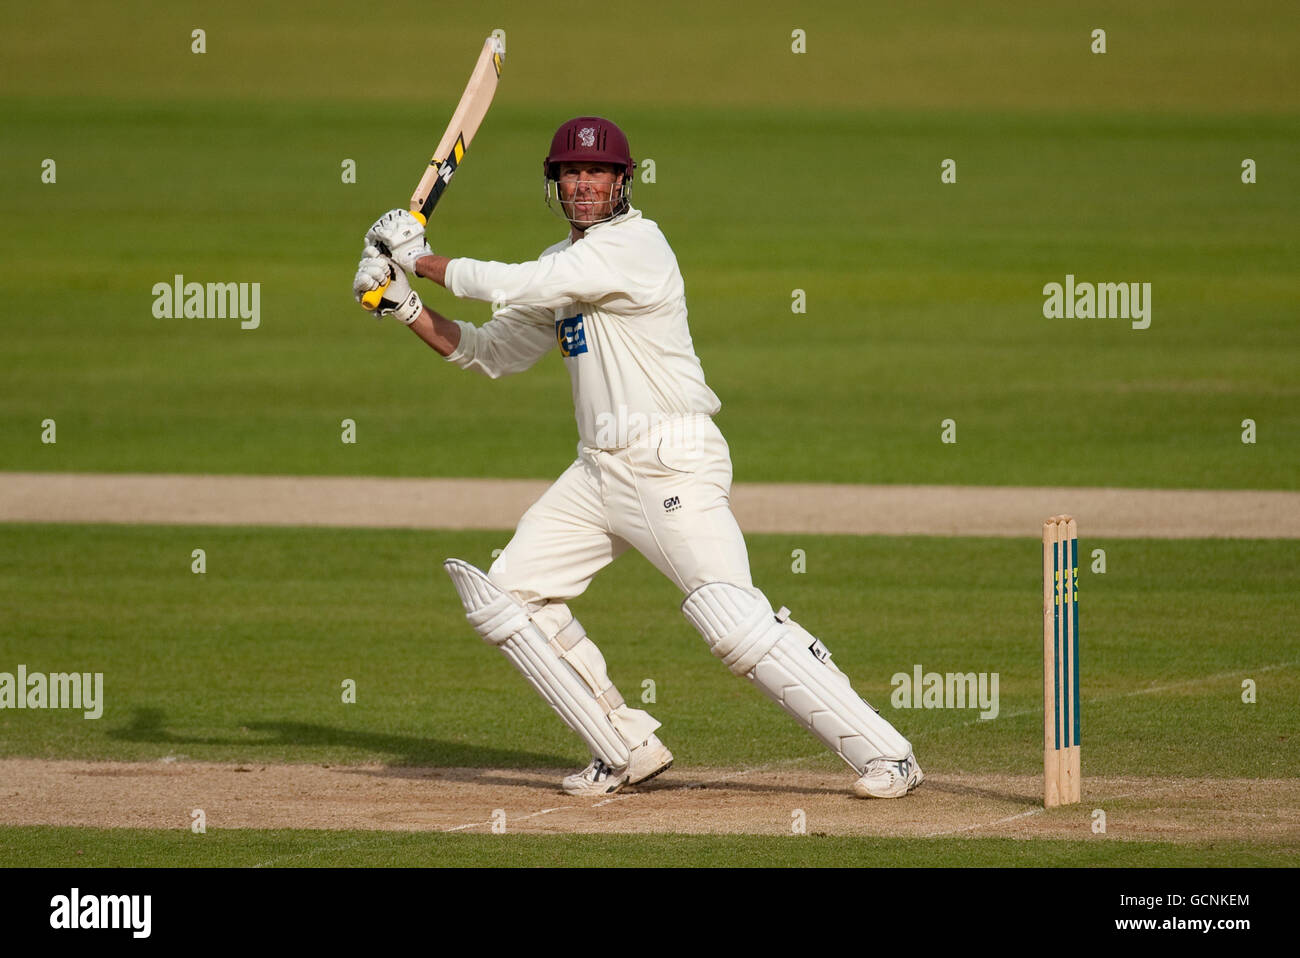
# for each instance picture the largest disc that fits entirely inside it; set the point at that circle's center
(653, 472)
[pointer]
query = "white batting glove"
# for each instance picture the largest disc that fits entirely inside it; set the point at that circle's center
(400, 234)
(381, 286)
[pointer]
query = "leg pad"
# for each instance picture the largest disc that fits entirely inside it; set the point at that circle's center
(791, 667)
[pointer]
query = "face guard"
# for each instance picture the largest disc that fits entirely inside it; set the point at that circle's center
(603, 206)
(584, 140)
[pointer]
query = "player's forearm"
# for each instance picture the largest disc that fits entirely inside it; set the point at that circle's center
(441, 334)
(581, 273)
(433, 268)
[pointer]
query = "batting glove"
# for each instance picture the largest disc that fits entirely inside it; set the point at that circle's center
(396, 298)
(400, 234)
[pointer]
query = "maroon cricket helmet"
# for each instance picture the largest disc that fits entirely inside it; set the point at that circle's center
(589, 139)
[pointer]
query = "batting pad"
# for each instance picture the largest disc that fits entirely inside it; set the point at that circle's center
(793, 669)
(579, 691)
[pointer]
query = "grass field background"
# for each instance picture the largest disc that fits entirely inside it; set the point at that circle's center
(775, 171)
(245, 663)
(145, 848)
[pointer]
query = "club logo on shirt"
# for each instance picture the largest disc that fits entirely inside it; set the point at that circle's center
(571, 336)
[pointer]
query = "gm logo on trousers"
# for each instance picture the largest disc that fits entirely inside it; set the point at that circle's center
(570, 335)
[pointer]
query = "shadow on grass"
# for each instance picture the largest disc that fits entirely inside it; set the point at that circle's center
(149, 725)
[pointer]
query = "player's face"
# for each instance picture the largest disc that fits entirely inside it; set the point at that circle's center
(589, 192)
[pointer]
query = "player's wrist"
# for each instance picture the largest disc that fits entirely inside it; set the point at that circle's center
(433, 268)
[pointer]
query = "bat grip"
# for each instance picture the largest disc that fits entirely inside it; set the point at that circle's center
(371, 299)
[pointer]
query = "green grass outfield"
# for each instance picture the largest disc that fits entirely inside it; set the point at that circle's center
(143, 848)
(775, 171)
(245, 662)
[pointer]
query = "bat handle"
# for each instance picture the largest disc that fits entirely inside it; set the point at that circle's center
(371, 299)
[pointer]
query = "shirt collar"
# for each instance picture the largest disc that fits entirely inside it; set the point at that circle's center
(628, 214)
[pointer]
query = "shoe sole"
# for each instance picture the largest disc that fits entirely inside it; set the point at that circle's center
(588, 793)
(658, 771)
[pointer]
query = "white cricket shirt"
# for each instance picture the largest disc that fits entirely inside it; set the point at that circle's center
(615, 306)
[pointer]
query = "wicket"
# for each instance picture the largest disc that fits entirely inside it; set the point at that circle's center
(1061, 766)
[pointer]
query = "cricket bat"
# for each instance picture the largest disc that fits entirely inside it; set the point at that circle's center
(473, 106)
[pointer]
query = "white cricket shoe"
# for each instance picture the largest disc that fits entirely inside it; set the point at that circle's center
(596, 779)
(889, 778)
(649, 759)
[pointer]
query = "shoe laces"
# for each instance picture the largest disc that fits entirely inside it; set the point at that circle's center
(899, 769)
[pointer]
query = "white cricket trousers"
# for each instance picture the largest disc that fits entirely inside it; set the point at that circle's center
(668, 496)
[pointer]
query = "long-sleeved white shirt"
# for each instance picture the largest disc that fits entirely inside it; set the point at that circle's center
(615, 304)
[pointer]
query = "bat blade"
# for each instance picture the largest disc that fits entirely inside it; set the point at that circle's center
(470, 111)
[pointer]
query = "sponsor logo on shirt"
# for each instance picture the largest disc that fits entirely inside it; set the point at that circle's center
(571, 336)
(673, 504)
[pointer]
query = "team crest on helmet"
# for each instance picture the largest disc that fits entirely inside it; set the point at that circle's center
(587, 136)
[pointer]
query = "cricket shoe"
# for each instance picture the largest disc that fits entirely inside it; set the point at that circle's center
(649, 759)
(889, 778)
(596, 779)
